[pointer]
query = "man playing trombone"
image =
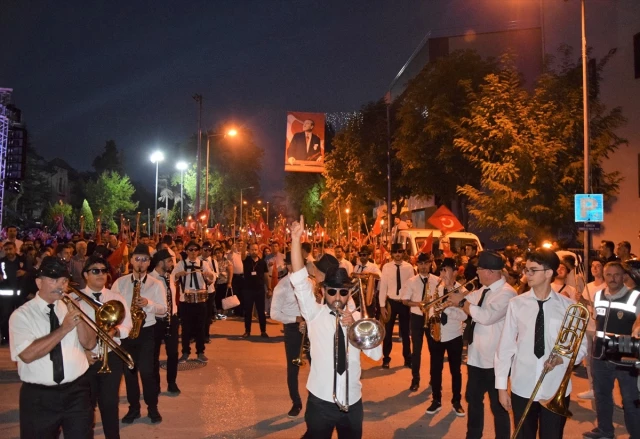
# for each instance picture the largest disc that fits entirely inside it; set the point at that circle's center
(48, 340)
(333, 361)
(531, 328)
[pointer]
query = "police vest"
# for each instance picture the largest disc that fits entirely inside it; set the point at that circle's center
(622, 315)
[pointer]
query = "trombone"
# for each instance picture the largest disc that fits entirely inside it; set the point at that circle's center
(108, 315)
(299, 361)
(424, 306)
(366, 333)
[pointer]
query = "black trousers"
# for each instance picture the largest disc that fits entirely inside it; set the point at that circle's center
(192, 316)
(211, 312)
(221, 291)
(170, 339)
(551, 425)
(453, 349)
(322, 417)
(105, 392)
(44, 409)
(142, 352)
(7, 305)
(257, 297)
(292, 340)
(237, 284)
(402, 312)
(479, 382)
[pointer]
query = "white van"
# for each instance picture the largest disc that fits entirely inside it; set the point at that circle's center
(414, 239)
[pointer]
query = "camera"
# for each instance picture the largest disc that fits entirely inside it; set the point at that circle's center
(623, 349)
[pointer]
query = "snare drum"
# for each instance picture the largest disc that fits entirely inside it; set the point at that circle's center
(195, 296)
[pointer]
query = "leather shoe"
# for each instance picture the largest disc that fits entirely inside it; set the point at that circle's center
(131, 416)
(407, 364)
(245, 335)
(264, 335)
(154, 415)
(173, 388)
(414, 386)
(385, 364)
(295, 411)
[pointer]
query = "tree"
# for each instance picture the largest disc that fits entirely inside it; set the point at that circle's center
(166, 194)
(89, 222)
(112, 193)
(527, 147)
(59, 214)
(110, 160)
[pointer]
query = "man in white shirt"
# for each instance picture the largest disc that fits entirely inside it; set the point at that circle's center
(237, 253)
(559, 284)
(48, 340)
(105, 387)
(153, 302)
(364, 265)
(487, 308)
(12, 236)
(323, 415)
(344, 263)
(427, 287)
(394, 275)
(529, 335)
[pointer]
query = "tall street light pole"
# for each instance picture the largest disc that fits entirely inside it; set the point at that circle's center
(585, 112)
(156, 158)
(198, 99)
(243, 189)
(230, 133)
(181, 166)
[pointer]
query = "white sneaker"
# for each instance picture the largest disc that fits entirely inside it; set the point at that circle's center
(586, 395)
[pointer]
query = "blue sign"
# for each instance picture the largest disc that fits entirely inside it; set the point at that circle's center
(589, 208)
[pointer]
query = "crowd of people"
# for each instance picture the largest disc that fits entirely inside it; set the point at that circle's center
(505, 307)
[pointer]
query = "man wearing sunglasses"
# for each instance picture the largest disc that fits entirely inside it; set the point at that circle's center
(364, 265)
(105, 387)
(394, 276)
(322, 415)
(153, 302)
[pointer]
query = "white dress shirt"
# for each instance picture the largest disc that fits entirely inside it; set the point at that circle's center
(565, 290)
(388, 281)
(369, 267)
(414, 290)
(31, 322)
(189, 281)
(105, 296)
(151, 289)
(321, 327)
(489, 322)
(344, 263)
(236, 260)
(172, 289)
(284, 305)
(515, 349)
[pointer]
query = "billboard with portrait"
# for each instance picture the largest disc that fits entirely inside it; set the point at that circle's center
(305, 142)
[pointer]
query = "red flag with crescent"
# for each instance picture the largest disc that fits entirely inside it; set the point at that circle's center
(428, 244)
(377, 227)
(444, 220)
(263, 229)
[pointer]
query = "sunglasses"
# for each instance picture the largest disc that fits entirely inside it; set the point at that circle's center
(398, 251)
(97, 271)
(206, 249)
(363, 255)
(192, 249)
(333, 291)
(141, 258)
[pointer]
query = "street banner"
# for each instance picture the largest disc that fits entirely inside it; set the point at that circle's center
(444, 220)
(304, 151)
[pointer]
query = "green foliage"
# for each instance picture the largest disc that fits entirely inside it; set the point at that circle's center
(112, 193)
(59, 209)
(111, 160)
(312, 205)
(89, 222)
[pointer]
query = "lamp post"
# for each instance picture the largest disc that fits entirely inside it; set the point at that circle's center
(243, 189)
(585, 112)
(181, 166)
(347, 210)
(267, 214)
(156, 158)
(231, 133)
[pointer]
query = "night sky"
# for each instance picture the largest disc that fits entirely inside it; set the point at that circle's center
(86, 72)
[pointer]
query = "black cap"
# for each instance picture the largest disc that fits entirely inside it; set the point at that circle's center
(53, 268)
(161, 255)
(141, 249)
(192, 244)
(396, 247)
(365, 249)
(337, 277)
(449, 262)
(490, 260)
(325, 262)
(424, 257)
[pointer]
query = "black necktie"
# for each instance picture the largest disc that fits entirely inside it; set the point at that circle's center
(342, 352)
(398, 281)
(472, 325)
(194, 277)
(213, 264)
(56, 353)
(443, 316)
(97, 296)
(361, 268)
(169, 301)
(538, 345)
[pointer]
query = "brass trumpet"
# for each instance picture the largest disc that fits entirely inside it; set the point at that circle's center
(299, 361)
(107, 315)
(424, 306)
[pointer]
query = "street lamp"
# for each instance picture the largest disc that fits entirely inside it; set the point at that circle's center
(347, 210)
(231, 133)
(243, 189)
(181, 166)
(156, 158)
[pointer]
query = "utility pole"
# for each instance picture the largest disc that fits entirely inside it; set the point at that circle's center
(198, 99)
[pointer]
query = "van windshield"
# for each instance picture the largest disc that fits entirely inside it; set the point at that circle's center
(456, 244)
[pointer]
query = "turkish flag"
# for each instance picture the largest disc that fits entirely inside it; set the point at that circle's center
(445, 220)
(428, 245)
(263, 229)
(377, 227)
(382, 253)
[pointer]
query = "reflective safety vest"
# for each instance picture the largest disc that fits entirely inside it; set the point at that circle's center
(622, 315)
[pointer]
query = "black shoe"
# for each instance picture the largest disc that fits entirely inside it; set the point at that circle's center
(407, 363)
(154, 415)
(295, 411)
(245, 335)
(458, 410)
(173, 388)
(385, 364)
(414, 386)
(264, 335)
(434, 408)
(131, 416)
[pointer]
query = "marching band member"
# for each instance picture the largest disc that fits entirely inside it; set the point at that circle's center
(193, 274)
(531, 327)
(322, 415)
(166, 327)
(48, 340)
(153, 302)
(394, 275)
(105, 387)
(427, 287)
(487, 308)
(364, 265)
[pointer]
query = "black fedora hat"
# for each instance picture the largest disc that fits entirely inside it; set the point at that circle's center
(325, 262)
(337, 277)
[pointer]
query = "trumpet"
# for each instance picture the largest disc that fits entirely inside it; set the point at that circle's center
(108, 315)
(424, 306)
(299, 361)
